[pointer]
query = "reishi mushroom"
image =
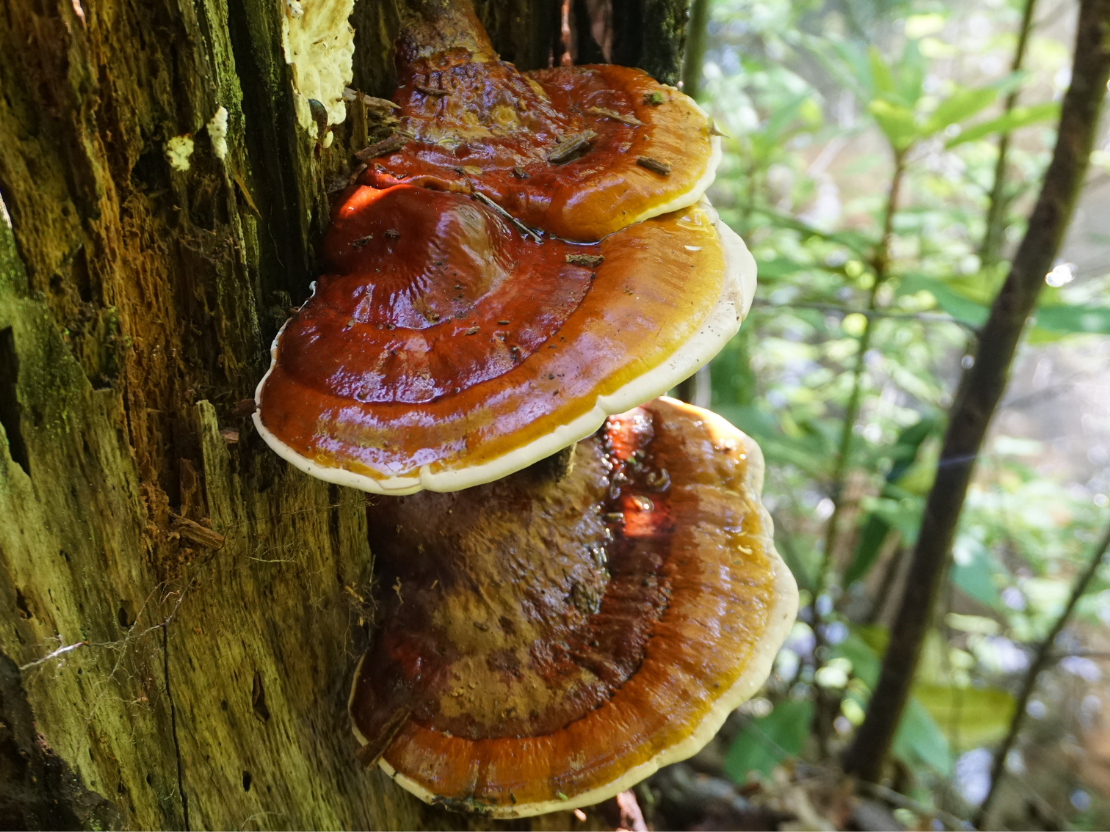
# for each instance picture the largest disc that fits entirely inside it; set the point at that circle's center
(546, 644)
(446, 348)
(578, 152)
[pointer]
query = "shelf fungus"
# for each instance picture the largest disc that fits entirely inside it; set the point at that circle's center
(550, 643)
(445, 348)
(577, 152)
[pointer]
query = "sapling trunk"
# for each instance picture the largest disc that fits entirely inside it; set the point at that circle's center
(991, 245)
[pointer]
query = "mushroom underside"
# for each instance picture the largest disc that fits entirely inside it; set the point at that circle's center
(547, 644)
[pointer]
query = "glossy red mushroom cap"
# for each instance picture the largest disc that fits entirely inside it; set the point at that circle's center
(445, 348)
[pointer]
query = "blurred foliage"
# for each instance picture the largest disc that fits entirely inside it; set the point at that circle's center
(823, 102)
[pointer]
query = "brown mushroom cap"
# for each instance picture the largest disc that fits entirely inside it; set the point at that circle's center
(446, 349)
(547, 644)
(480, 125)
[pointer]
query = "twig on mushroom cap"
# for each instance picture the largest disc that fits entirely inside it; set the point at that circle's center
(630, 120)
(382, 148)
(590, 260)
(565, 150)
(524, 229)
(653, 165)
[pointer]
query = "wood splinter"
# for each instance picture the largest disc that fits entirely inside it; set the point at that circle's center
(195, 532)
(370, 101)
(526, 230)
(565, 150)
(589, 260)
(630, 120)
(385, 146)
(653, 165)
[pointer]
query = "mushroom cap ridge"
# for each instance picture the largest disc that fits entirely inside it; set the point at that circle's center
(456, 441)
(669, 661)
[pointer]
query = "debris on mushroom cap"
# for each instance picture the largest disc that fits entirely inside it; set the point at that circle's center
(557, 147)
(460, 351)
(557, 642)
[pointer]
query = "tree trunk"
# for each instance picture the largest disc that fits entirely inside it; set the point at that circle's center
(180, 611)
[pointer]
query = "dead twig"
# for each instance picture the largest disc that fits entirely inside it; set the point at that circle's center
(565, 150)
(630, 120)
(370, 101)
(654, 165)
(387, 145)
(524, 229)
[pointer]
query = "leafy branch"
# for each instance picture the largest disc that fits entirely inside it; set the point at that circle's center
(1041, 660)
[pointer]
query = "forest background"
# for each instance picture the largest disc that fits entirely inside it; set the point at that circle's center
(867, 315)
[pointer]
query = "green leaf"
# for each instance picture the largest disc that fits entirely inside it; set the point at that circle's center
(764, 742)
(958, 107)
(1017, 117)
(858, 243)
(970, 716)
(782, 116)
(903, 514)
(808, 454)
(781, 267)
(871, 539)
(920, 741)
(861, 648)
(881, 76)
(973, 572)
(955, 304)
(896, 122)
(1072, 319)
(907, 445)
(911, 73)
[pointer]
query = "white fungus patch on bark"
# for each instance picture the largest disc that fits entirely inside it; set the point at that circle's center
(217, 132)
(178, 151)
(319, 45)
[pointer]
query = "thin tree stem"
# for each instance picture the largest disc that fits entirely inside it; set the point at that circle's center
(880, 268)
(1041, 659)
(996, 211)
(983, 384)
(881, 271)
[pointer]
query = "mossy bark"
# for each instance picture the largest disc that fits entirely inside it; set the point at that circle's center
(180, 612)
